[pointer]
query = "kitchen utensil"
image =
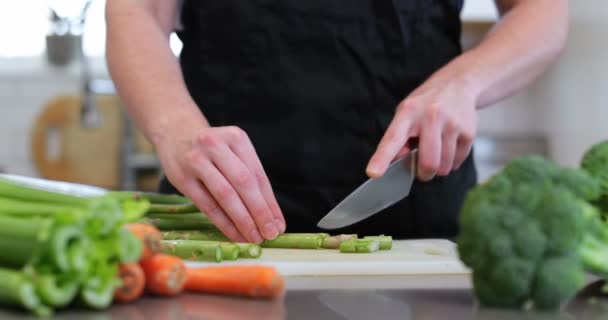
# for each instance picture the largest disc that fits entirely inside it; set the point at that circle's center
(374, 195)
(407, 257)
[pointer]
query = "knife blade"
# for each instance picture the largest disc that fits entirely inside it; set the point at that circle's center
(374, 195)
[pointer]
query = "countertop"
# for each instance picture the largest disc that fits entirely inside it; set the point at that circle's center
(352, 298)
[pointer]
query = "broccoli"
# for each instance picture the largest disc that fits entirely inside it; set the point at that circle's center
(595, 162)
(531, 233)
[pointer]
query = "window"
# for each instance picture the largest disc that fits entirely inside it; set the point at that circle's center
(25, 23)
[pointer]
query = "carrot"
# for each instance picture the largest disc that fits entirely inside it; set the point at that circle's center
(165, 274)
(133, 282)
(253, 281)
(149, 235)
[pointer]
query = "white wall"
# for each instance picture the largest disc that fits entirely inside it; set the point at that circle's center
(573, 96)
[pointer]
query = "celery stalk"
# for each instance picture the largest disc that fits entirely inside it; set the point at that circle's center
(56, 291)
(17, 290)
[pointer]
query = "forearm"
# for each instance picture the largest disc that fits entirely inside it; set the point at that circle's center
(146, 72)
(527, 38)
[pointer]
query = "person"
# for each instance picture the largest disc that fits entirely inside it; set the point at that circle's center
(275, 110)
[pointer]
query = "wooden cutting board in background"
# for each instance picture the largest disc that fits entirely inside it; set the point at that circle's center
(407, 257)
(82, 155)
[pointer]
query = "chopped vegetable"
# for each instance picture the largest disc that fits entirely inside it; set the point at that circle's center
(196, 250)
(333, 242)
(165, 274)
(249, 281)
(249, 250)
(295, 241)
(386, 242)
(359, 246)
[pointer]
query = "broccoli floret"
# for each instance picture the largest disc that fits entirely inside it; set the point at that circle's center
(595, 162)
(530, 233)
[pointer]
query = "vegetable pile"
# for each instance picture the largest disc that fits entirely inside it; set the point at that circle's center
(532, 232)
(187, 233)
(58, 250)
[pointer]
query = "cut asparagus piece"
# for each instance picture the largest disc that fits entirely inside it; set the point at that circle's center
(182, 221)
(249, 250)
(386, 242)
(196, 250)
(295, 241)
(230, 251)
(333, 242)
(359, 246)
(210, 234)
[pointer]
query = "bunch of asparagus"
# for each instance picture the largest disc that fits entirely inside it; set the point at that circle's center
(189, 234)
(58, 249)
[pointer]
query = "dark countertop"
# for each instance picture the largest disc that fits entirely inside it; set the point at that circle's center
(404, 298)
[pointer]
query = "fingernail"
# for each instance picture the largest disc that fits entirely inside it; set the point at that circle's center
(270, 230)
(280, 226)
(255, 236)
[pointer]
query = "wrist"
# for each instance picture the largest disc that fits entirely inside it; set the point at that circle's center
(180, 126)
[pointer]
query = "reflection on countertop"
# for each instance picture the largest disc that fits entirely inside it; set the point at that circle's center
(351, 304)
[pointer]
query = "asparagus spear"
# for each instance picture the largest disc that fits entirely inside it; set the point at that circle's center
(196, 250)
(17, 290)
(209, 234)
(249, 250)
(333, 242)
(295, 241)
(386, 242)
(152, 197)
(359, 246)
(183, 221)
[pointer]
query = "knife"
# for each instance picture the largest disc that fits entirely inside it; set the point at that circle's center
(374, 195)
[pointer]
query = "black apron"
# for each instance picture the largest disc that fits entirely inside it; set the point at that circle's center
(315, 83)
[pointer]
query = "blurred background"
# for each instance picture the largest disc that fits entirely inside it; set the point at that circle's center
(60, 117)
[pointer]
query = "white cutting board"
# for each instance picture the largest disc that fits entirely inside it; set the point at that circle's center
(407, 257)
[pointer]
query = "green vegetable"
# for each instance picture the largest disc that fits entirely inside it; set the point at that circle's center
(595, 162)
(57, 248)
(386, 242)
(181, 221)
(196, 250)
(57, 291)
(209, 234)
(230, 251)
(249, 250)
(295, 241)
(359, 246)
(530, 233)
(16, 289)
(333, 242)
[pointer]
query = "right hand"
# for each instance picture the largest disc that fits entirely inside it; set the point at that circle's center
(220, 172)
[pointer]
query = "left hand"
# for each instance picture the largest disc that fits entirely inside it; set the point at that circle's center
(442, 115)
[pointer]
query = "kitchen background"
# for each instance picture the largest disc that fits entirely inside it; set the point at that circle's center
(44, 86)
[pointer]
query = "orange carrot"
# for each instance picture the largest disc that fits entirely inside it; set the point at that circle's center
(165, 274)
(253, 281)
(133, 282)
(149, 235)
